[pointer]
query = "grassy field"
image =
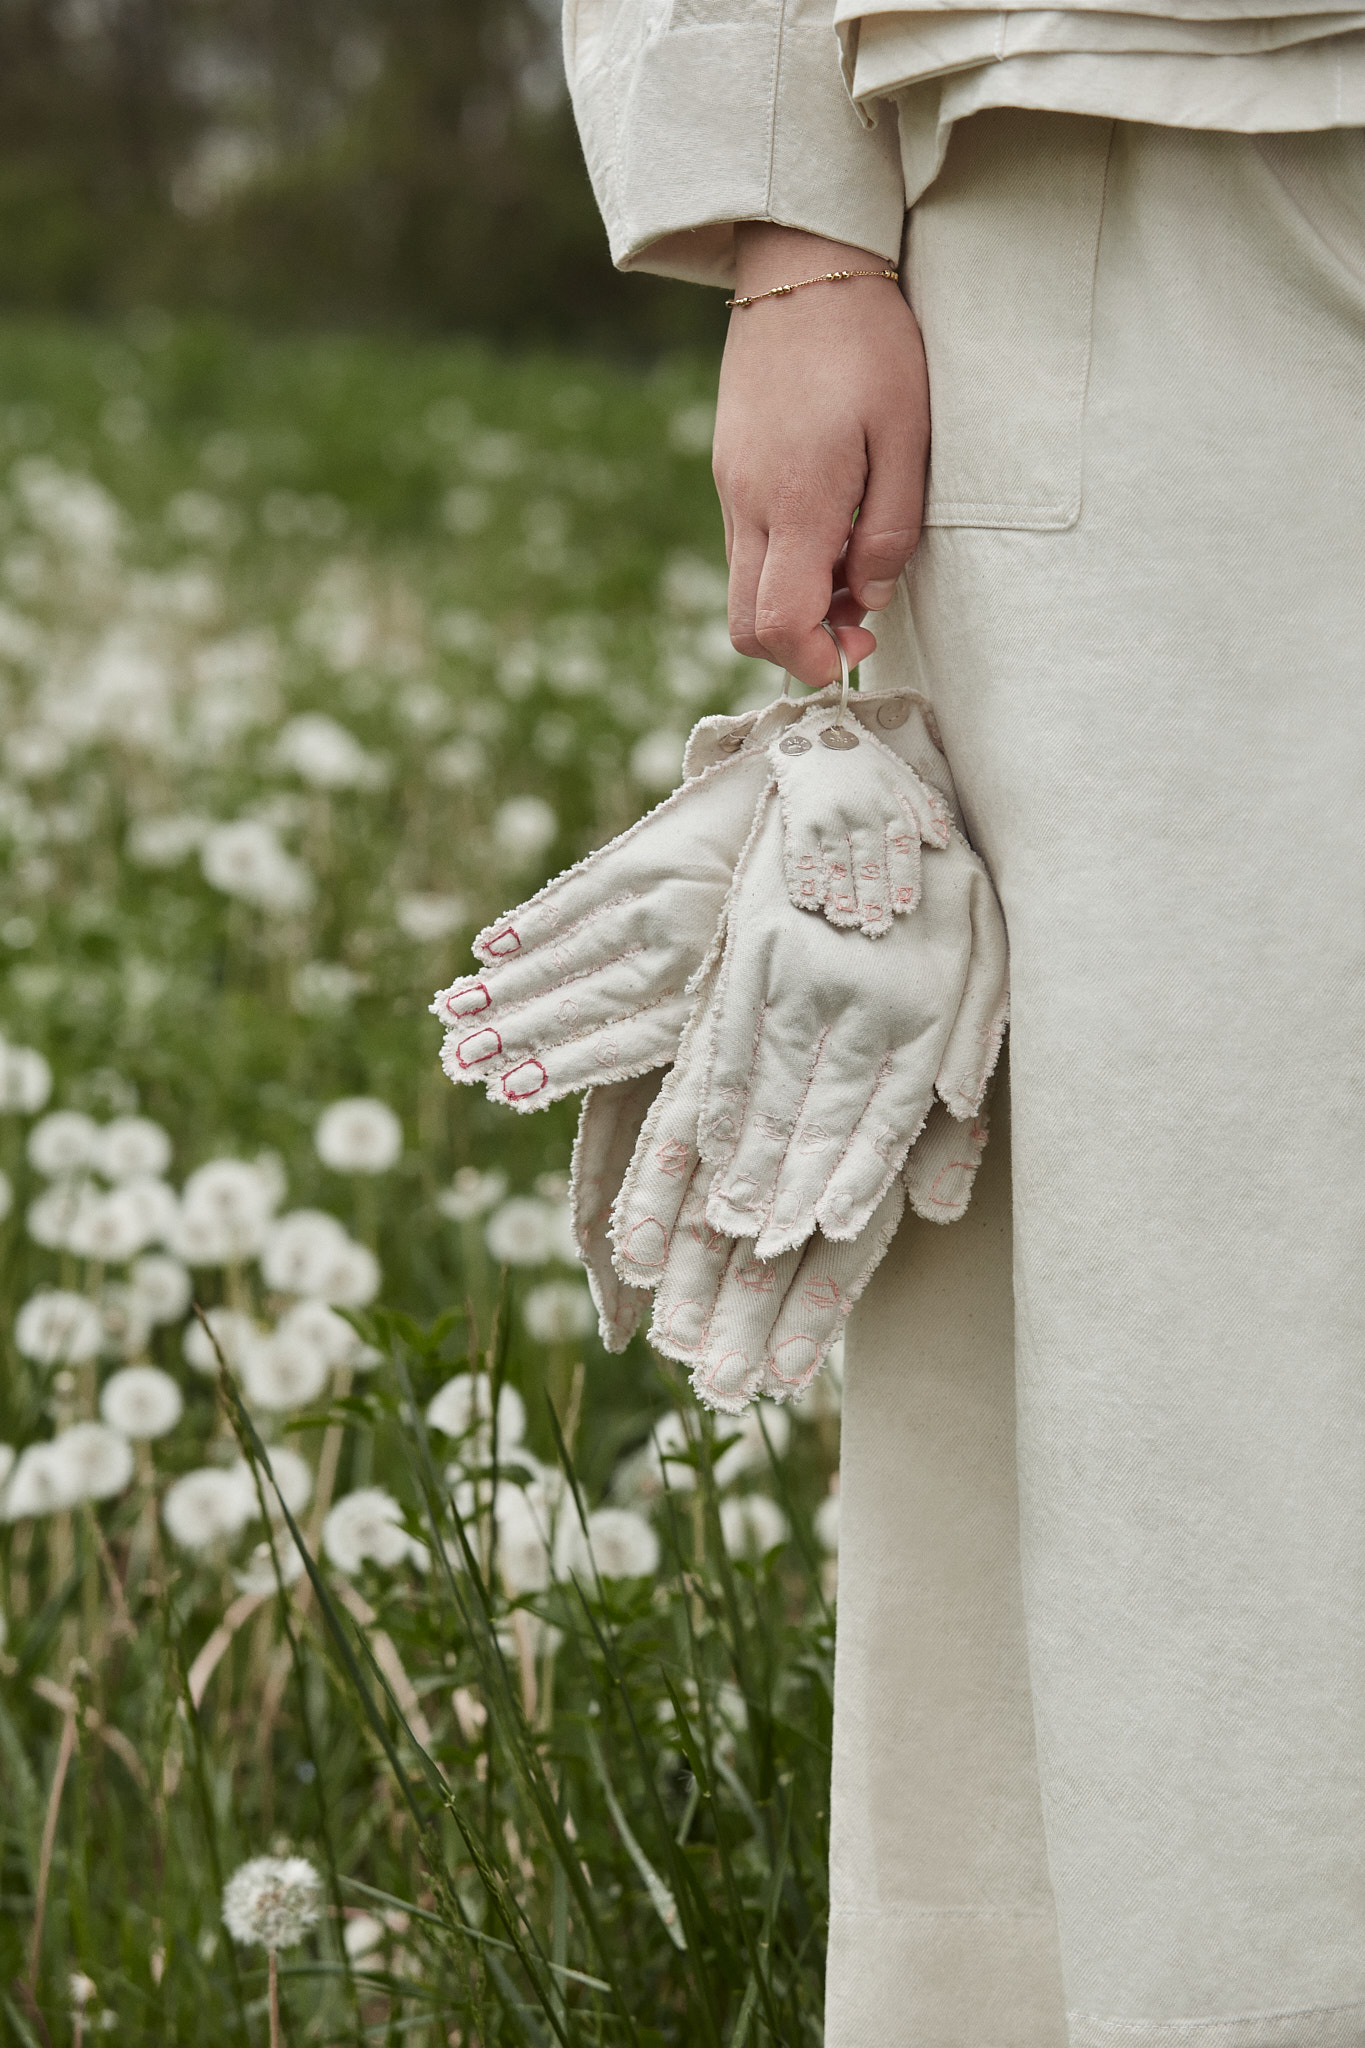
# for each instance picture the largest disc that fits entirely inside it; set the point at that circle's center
(314, 655)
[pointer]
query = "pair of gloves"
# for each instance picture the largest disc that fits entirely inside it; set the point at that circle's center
(784, 992)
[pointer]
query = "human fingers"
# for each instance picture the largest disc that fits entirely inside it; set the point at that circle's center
(609, 1126)
(794, 592)
(887, 529)
(747, 550)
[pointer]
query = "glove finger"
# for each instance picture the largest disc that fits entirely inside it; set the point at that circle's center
(528, 1074)
(941, 1165)
(978, 1027)
(827, 1281)
(779, 1077)
(832, 1097)
(687, 1288)
(728, 1362)
(608, 1130)
(870, 848)
(696, 834)
(876, 1148)
(555, 1017)
(655, 1186)
(903, 868)
(740, 993)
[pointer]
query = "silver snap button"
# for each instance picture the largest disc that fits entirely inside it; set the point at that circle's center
(838, 736)
(895, 713)
(794, 743)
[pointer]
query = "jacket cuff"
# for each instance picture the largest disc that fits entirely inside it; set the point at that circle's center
(733, 110)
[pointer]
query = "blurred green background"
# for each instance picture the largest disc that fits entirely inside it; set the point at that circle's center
(399, 163)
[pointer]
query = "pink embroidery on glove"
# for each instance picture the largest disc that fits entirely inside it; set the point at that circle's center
(675, 1159)
(821, 1294)
(524, 1081)
(757, 1278)
(646, 1245)
(788, 1363)
(489, 1044)
(502, 945)
(465, 1002)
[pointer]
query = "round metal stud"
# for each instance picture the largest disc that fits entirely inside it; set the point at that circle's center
(794, 743)
(893, 714)
(839, 737)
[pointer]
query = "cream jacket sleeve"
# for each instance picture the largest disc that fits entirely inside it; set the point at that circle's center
(695, 114)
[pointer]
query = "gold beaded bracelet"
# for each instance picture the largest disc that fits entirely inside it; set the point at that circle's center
(780, 291)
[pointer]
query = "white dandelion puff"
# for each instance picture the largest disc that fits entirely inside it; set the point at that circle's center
(751, 1525)
(63, 1144)
(225, 1211)
(245, 859)
(358, 1135)
(126, 1328)
(521, 1232)
(427, 918)
(156, 1205)
(348, 1276)
(40, 1484)
(827, 1519)
(56, 1327)
(321, 751)
(284, 1370)
(747, 1439)
(656, 760)
(330, 1335)
(558, 1311)
(471, 1194)
(234, 1331)
(132, 1148)
(368, 1524)
(49, 1217)
(297, 1247)
(161, 1288)
(207, 1507)
(523, 829)
(96, 1460)
(25, 1079)
(466, 1402)
(272, 1901)
(108, 1229)
(619, 1542)
(165, 842)
(292, 1478)
(670, 1458)
(257, 1575)
(141, 1402)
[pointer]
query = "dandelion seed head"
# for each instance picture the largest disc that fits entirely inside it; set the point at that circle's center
(108, 1229)
(161, 1288)
(827, 1519)
(49, 1216)
(323, 752)
(257, 1575)
(132, 1148)
(367, 1524)
(63, 1144)
(427, 918)
(141, 1402)
(523, 829)
(25, 1079)
(96, 1461)
(297, 1246)
(225, 1211)
(521, 1232)
(751, 1525)
(207, 1507)
(245, 859)
(558, 1311)
(348, 1276)
(57, 1327)
(40, 1484)
(234, 1331)
(359, 1134)
(619, 1542)
(466, 1401)
(746, 1439)
(471, 1194)
(164, 842)
(286, 1369)
(272, 1901)
(316, 1324)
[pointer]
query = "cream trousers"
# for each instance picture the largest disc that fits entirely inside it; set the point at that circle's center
(1100, 1728)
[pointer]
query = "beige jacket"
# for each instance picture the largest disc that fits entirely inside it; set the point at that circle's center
(697, 113)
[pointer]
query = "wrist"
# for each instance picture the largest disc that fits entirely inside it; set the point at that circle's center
(767, 255)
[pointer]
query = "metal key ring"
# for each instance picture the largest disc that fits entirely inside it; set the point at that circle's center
(788, 678)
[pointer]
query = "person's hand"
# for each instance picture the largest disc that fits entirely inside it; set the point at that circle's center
(823, 412)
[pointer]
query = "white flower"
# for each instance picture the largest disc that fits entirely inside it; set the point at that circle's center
(471, 1194)
(161, 1288)
(359, 1134)
(107, 1228)
(521, 1232)
(6, 1195)
(523, 828)
(71, 509)
(364, 1933)
(314, 1323)
(156, 1205)
(284, 1370)
(40, 1484)
(235, 1332)
(523, 1516)
(132, 1148)
(96, 1461)
(656, 760)
(25, 1079)
(141, 1402)
(467, 1400)
(559, 1310)
(672, 1450)
(126, 1329)
(49, 1219)
(427, 918)
(8, 1454)
(368, 1524)
(293, 1477)
(34, 752)
(245, 859)
(63, 1144)
(258, 1573)
(322, 988)
(746, 1439)
(56, 1327)
(272, 1900)
(751, 1525)
(297, 1247)
(827, 1519)
(207, 1506)
(165, 842)
(225, 1211)
(620, 1543)
(326, 754)
(348, 1276)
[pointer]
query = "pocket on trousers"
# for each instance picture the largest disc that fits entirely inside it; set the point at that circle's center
(1000, 270)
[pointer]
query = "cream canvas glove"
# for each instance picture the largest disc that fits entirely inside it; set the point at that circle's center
(746, 1327)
